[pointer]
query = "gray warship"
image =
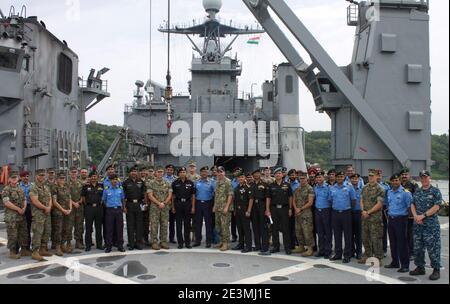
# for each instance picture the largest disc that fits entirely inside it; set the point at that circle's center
(150, 122)
(379, 104)
(43, 100)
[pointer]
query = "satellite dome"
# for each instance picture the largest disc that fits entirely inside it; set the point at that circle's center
(212, 5)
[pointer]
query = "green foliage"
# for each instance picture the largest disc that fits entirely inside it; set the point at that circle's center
(439, 151)
(100, 138)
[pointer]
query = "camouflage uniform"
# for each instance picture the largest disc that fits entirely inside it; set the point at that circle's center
(194, 177)
(16, 226)
(159, 218)
(427, 236)
(304, 222)
(372, 228)
(41, 225)
(223, 190)
(52, 186)
(146, 212)
(62, 224)
(268, 180)
(78, 214)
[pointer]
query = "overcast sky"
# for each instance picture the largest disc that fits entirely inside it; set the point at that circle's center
(115, 34)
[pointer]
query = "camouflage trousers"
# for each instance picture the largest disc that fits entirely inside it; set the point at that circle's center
(427, 237)
(78, 215)
(41, 228)
(62, 227)
(223, 226)
(159, 221)
(372, 237)
(304, 229)
(17, 232)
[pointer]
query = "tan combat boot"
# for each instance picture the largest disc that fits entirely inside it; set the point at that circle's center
(69, 248)
(44, 252)
(13, 255)
(299, 249)
(79, 245)
(59, 251)
(309, 252)
(165, 246)
(36, 256)
(224, 247)
(25, 253)
(155, 246)
(363, 261)
(218, 246)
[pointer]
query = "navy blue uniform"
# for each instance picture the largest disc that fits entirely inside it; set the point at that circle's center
(279, 195)
(398, 202)
(183, 191)
(113, 197)
(342, 197)
(323, 219)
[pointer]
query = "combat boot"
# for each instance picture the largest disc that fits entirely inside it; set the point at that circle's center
(363, 261)
(79, 245)
(69, 248)
(25, 253)
(59, 251)
(218, 246)
(436, 275)
(36, 256)
(13, 255)
(165, 246)
(309, 252)
(299, 249)
(44, 252)
(155, 246)
(224, 247)
(53, 246)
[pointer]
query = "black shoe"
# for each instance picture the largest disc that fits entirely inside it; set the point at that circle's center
(147, 243)
(418, 271)
(403, 270)
(392, 266)
(264, 253)
(108, 250)
(208, 245)
(288, 251)
(245, 250)
(436, 275)
(346, 260)
(318, 255)
(358, 257)
(172, 242)
(101, 247)
(335, 258)
(189, 246)
(88, 248)
(238, 247)
(121, 249)
(180, 246)
(138, 247)
(130, 248)
(234, 240)
(197, 244)
(274, 250)
(256, 248)
(327, 257)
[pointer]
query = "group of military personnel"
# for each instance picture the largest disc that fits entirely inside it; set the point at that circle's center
(160, 206)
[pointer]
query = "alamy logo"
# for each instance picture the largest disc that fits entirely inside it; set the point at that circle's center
(230, 138)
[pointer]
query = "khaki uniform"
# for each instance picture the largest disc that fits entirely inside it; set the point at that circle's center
(372, 228)
(304, 222)
(41, 225)
(16, 226)
(159, 218)
(223, 221)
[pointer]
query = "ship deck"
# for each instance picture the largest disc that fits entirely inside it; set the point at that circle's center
(200, 266)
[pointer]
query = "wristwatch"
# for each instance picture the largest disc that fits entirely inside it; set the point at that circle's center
(425, 215)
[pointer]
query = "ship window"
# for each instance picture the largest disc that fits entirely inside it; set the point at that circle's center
(9, 59)
(289, 84)
(64, 74)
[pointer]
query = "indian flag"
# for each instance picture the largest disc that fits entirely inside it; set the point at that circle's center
(254, 40)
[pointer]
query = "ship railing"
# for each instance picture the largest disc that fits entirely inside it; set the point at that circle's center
(36, 137)
(101, 85)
